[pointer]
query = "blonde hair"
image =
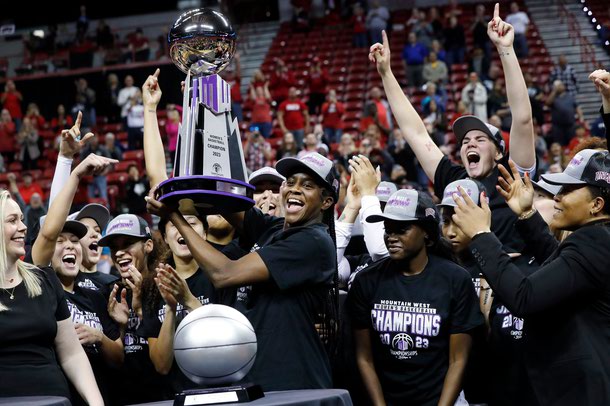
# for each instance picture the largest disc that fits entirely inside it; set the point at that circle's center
(30, 278)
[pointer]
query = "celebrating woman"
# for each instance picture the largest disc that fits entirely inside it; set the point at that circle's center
(566, 302)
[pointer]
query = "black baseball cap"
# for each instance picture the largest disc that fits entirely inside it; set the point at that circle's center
(465, 124)
(70, 226)
(96, 211)
(314, 164)
(588, 167)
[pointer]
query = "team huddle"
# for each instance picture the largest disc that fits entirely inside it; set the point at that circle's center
(497, 292)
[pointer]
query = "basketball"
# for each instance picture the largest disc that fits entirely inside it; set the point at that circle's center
(215, 345)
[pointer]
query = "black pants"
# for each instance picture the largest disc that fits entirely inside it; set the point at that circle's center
(315, 102)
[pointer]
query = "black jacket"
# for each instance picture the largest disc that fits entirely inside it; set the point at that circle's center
(566, 306)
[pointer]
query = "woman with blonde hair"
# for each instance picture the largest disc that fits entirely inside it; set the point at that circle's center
(39, 347)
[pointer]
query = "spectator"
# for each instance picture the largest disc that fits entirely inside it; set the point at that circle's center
(125, 95)
(109, 105)
(435, 71)
(415, 17)
(293, 117)
(317, 80)
(300, 15)
(260, 98)
(104, 36)
(29, 188)
(496, 121)
(258, 151)
(402, 154)
(36, 119)
(34, 211)
(135, 121)
(281, 81)
(455, 42)
(113, 149)
(312, 144)
(564, 111)
(519, 20)
(11, 100)
(288, 147)
(82, 24)
(346, 150)
(232, 75)
(99, 186)
(7, 136)
(382, 107)
(358, 22)
(85, 102)
(423, 31)
(377, 21)
(137, 188)
(436, 23)
(436, 122)
(62, 120)
(474, 96)
(479, 63)
(172, 126)
(580, 135)
(479, 31)
(431, 95)
(497, 102)
(437, 48)
(566, 74)
(29, 145)
(332, 113)
(598, 128)
(258, 79)
(413, 56)
(138, 49)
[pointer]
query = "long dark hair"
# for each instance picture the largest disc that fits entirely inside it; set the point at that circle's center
(151, 297)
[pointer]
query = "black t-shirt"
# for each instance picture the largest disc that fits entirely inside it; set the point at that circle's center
(566, 307)
(89, 307)
(357, 263)
(201, 287)
(502, 217)
(28, 362)
(301, 262)
(411, 319)
(96, 281)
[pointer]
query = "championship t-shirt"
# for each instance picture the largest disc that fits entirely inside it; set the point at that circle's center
(201, 287)
(89, 308)
(96, 281)
(28, 361)
(410, 319)
(302, 262)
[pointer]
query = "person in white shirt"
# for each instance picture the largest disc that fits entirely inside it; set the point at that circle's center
(519, 20)
(135, 121)
(474, 96)
(125, 95)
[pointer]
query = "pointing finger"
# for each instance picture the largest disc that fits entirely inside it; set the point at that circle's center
(79, 119)
(497, 10)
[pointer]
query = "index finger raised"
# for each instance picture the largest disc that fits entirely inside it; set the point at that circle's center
(497, 10)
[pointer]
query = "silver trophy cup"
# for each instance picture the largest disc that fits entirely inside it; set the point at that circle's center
(209, 169)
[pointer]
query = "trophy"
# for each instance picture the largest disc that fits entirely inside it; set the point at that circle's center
(209, 168)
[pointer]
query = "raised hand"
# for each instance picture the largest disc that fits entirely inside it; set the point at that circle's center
(469, 217)
(380, 55)
(501, 33)
(71, 141)
(353, 196)
(173, 288)
(518, 192)
(93, 165)
(151, 92)
(118, 311)
(153, 206)
(366, 177)
(601, 80)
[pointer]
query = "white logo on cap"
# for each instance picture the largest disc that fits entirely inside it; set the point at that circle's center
(430, 213)
(399, 201)
(601, 175)
(314, 160)
(121, 225)
(577, 160)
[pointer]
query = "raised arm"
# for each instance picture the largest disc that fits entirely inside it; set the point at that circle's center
(154, 154)
(601, 79)
(522, 137)
(43, 248)
(411, 125)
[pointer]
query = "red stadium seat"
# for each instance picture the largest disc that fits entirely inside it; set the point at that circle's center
(124, 165)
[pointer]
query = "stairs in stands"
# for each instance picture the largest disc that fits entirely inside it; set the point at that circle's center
(253, 41)
(557, 24)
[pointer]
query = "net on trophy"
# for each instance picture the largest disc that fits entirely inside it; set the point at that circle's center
(209, 168)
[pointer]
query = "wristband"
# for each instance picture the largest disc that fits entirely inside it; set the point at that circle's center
(527, 214)
(479, 233)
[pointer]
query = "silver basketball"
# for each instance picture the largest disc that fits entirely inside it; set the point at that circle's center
(202, 41)
(215, 345)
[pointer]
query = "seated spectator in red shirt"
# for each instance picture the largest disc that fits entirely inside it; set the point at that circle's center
(332, 113)
(7, 135)
(260, 99)
(11, 100)
(62, 120)
(29, 187)
(293, 117)
(317, 81)
(36, 119)
(232, 75)
(138, 49)
(358, 22)
(280, 81)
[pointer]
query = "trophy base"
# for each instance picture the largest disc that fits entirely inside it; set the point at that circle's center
(229, 394)
(208, 194)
